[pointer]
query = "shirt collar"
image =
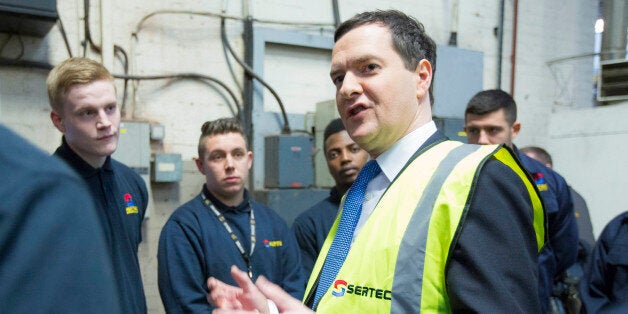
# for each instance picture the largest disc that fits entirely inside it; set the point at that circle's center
(222, 207)
(334, 195)
(77, 163)
(393, 160)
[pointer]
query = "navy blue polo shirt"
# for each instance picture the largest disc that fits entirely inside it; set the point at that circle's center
(312, 226)
(561, 248)
(194, 245)
(121, 199)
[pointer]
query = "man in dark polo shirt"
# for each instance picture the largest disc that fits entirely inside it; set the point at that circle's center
(84, 108)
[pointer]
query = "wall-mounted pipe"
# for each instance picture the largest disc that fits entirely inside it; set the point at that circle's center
(334, 4)
(500, 43)
(513, 56)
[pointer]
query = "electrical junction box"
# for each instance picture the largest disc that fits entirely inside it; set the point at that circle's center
(134, 150)
(167, 168)
(288, 161)
(458, 77)
(28, 17)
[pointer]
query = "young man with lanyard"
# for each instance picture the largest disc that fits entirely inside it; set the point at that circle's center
(84, 108)
(223, 226)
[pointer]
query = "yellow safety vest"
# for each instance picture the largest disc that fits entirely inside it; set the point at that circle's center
(429, 195)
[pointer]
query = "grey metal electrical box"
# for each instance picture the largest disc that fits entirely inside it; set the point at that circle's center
(458, 76)
(134, 151)
(288, 161)
(28, 17)
(167, 168)
(134, 147)
(325, 112)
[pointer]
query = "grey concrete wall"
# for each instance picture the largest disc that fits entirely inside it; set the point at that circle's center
(589, 150)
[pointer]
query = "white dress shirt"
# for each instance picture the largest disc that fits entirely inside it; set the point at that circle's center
(391, 162)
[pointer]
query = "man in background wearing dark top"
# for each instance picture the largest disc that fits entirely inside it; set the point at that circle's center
(53, 257)
(491, 118)
(605, 285)
(344, 159)
(84, 108)
(222, 226)
(581, 211)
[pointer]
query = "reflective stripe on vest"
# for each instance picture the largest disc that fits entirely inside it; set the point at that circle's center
(384, 271)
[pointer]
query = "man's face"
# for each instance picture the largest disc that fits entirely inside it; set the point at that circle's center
(226, 163)
(89, 120)
(377, 97)
(344, 159)
(491, 128)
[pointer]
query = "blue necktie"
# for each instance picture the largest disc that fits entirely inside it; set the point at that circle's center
(344, 234)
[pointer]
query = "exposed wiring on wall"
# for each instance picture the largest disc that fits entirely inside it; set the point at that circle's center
(88, 35)
(195, 76)
(6, 42)
(65, 36)
(230, 66)
(138, 27)
(251, 72)
(135, 35)
(119, 51)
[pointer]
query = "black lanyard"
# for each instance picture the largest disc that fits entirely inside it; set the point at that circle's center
(234, 237)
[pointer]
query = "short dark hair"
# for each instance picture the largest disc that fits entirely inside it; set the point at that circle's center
(408, 36)
(218, 126)
(491, 100)
(542, 155)
(333, 127)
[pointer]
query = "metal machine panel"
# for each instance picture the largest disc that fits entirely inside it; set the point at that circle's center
(167, 168)
(458, 77)
(325, 112)
(288, 161)
(134, 150)
(134, 146)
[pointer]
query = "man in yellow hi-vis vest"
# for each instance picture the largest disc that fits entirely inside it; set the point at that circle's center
(444, 227)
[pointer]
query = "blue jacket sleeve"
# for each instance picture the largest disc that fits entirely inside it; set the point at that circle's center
(181, 276)
(563, 230)
(604, 288)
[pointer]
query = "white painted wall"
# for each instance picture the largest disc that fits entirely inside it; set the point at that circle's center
(589, 149)
(176, 43)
